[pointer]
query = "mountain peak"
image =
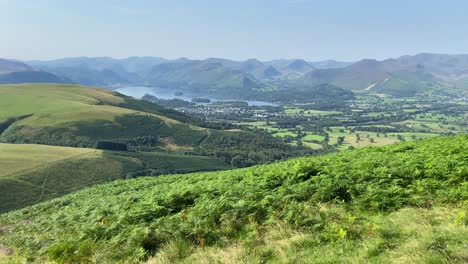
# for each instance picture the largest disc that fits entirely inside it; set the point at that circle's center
(271, 71)
(299, 64)
(251, 64)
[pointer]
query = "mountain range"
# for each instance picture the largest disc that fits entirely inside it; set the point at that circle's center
(224, 78)
(12, 72)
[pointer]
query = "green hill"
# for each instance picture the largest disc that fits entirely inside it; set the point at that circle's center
(33, 173)
(403, 203)
(158, 141)
(77, 116)
(203, 77)
(80, 116)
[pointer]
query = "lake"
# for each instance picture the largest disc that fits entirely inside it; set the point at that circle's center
(140, 91)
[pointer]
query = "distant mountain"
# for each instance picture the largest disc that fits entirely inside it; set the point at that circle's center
(31, 77)
(357, 76)
(18, 72)
(253, 67)
(329, 64)
(205, 76)
(291, 69)
(300, 66)
(101, 71)
(7, 66)
(447, 68)
(404, 76)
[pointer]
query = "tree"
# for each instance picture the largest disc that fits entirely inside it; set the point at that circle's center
(237, 161)
(299, 143)
(109, 145)
(340, 140)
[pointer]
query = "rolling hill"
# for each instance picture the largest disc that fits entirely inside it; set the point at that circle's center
(72, 115)
(132, 137)
(77, 116)
(401, 203)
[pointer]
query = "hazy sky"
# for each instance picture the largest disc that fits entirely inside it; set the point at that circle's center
(240, 29)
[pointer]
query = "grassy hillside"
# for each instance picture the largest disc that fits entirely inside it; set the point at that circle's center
(33, 173)
(77, 116)
(404, 203)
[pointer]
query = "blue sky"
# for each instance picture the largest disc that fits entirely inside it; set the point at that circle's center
(265, 29)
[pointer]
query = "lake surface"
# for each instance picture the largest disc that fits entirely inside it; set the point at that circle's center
(140, 91)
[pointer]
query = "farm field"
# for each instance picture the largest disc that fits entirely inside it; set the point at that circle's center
(369, 121)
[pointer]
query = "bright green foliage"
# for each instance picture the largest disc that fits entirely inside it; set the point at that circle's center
(354, 206)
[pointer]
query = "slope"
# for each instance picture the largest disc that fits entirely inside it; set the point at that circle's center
(404, 203)
(70, 115)
(7, 66)
(79, 116)
(203, 77)
(34, 173)
(404, 76)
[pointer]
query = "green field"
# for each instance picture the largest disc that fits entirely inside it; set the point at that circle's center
(403, 203)
(312, 145)
(310, 137)
(293, 111)
(34, 173)
(284, 133)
